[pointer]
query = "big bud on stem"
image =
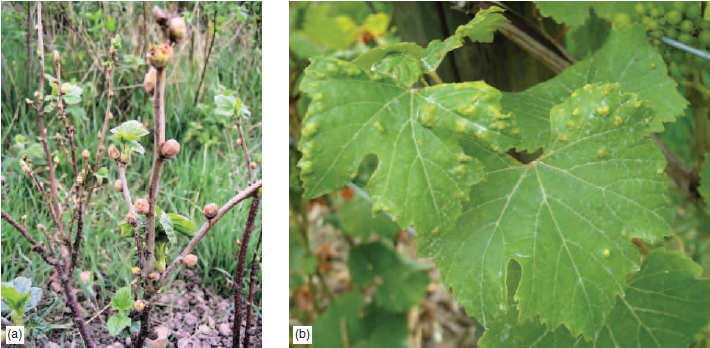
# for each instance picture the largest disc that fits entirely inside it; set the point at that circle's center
(170, 148)
(160, 56)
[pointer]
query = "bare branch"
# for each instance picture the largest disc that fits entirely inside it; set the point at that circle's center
(37, 246)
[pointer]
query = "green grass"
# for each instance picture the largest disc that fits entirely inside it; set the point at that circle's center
(210, 168)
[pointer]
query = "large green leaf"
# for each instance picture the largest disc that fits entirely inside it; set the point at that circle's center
(403, 283)
(129, 130)
(566, 217)
(480, 29)
(665, 305)
(423, 173)
(116, 323)
(626, 58)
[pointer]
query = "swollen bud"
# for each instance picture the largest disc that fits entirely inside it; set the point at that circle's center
(154, 276)
(126, 157)
(85, 154)
(190, 260)
(136, 271)
(239, 142)
(160, 56)
(41, 227)
(113, 152)
(132, 219)
(139, 305)
(26, 169)
(149, 81)
(253, 165)
(64, 89)
(170, 148)
(177, 29)
(56, 57)
(210, 211)
(117, 185)
(141, 207)
(28, 101)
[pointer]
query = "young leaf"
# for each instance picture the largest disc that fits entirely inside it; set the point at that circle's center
(23, 285)
(167, 223)
(13, 300)
(413, 132)
(624, 59)
(400, 60)
(73, 95)
(479, 29)
(129, 130)
(116, 324)
(226, 105)
(183, 225)
(567, 217)
(122, 301)
(102, 173)
(665, 305)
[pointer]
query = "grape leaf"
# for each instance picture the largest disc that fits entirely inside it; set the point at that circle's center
(566, 217)
(576, 13)
(665, 305)
(400, 60)
(358, 221)
(423, 173)
(404, 283)
(479, 29)
(626, 58)
(384, 328)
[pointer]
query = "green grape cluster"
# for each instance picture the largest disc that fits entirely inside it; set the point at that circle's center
(681, 21)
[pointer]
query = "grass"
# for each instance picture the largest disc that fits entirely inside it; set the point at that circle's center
(209, 168)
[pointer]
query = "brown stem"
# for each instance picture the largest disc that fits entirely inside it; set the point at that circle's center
(238, 305)
(75, 309)
(158, 163)
(248, 192)
(83, 204)
(28, 62)
(42, 128)
(252, 281)
(209, 53)
(37, 246)
(129, 205)
(63, 117)
(245, 147)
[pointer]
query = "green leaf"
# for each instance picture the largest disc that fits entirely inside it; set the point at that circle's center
(404, 283)
(627, 58)
(413, 132)
(574, 14)
(400, 60)
(167, 224)
(665, 305)
(571, 13)
(73, 95)
(480, 29)
(102, 173)
(226, 104)
(341, 319)
(116, 324)
(129, 130)
(23, 285)
(183, 225)
(338, 33)
(358, 221)
(376, 23)
(566, 217)
(13, 300)
(384, 328)
(122, 301)
(135, 146)
(126, 229)
(590, 37)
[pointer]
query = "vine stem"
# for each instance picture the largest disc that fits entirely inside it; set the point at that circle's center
(255, 264)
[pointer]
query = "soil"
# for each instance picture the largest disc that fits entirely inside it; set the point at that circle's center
(186, 316)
